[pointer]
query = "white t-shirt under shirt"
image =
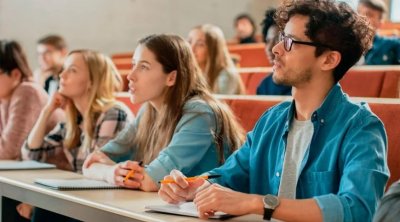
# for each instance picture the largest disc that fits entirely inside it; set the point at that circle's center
(298, 141)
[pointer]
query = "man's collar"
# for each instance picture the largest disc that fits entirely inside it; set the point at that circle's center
(322, 113)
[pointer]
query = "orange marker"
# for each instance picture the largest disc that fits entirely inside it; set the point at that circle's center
(190, 179)
(131, 173)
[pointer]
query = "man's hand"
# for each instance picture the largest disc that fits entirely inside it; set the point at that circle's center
(217, 198)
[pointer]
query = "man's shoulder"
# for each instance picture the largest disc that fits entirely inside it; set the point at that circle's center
(357, 111)
(277, 112)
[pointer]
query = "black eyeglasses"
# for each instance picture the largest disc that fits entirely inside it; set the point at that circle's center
(288, 42)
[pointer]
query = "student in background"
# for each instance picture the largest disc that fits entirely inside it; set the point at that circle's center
(21, 101)
(385, 50)
(52, 51)
(389, 206)
(180, 125)
(211, 53)
(245, 29)
(93, 116)
(270, 33)
(320, 157)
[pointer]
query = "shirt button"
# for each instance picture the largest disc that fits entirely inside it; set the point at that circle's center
(322, 121)
(277, 174)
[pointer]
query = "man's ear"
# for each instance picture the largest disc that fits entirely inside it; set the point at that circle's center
(16, 74)
(171, 78)
(331, 60)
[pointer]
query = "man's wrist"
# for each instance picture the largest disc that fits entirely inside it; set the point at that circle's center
(256, 205)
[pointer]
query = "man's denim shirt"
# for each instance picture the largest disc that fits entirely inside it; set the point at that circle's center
(344, 168)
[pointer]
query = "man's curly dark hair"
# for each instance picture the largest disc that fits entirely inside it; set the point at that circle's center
(334, 24)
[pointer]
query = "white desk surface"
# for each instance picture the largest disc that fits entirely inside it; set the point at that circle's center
(88, 205)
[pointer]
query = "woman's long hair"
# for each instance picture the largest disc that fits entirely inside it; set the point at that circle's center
(155, 129)
(105, 80)
(218, 57)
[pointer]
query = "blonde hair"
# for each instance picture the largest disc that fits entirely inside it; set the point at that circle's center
(156, 129)
(105, 80)
(218, 57)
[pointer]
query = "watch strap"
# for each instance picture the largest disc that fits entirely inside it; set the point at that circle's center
(268, 213)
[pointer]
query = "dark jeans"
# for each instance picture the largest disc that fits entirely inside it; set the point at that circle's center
(42, 215)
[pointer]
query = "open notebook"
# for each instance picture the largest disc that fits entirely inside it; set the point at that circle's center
(185, 209)
(76, 184)
(24, 165)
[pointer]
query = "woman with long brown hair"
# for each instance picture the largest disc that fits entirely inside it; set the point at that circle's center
(180, 126)
(211, 53)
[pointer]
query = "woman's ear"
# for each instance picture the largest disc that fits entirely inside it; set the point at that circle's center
(331, 60)
(171, 78)
(16, 75)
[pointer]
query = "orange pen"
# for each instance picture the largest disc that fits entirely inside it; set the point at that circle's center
(131, 173)
(190, 179)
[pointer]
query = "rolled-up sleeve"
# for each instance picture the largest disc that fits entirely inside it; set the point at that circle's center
(364, 177)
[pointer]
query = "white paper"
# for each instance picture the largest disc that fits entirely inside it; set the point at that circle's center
(186, 209)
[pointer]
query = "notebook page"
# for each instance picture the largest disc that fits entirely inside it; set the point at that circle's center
(186, 209)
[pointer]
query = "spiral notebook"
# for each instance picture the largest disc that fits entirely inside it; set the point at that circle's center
(185, 209)
(76, 184)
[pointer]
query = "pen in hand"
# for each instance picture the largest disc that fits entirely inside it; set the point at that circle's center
(131, 172)
(189, 179)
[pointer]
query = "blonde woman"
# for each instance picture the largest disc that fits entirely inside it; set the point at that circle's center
(180, 126)
(209, 47)
(93, 117)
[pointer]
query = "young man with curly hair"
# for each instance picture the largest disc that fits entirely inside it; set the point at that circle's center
(320, 157)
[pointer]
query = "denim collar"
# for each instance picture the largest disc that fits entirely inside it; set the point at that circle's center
(325, 112)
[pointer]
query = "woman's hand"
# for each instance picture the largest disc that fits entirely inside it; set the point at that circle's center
(97, 157)
(56, 101)
(133, 170)
(181, 190)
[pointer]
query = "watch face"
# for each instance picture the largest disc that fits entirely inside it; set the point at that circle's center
(271, 201)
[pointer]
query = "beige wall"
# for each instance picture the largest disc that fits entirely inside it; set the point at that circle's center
(115, 25)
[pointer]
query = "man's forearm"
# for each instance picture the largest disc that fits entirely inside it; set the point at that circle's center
(290, 210)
